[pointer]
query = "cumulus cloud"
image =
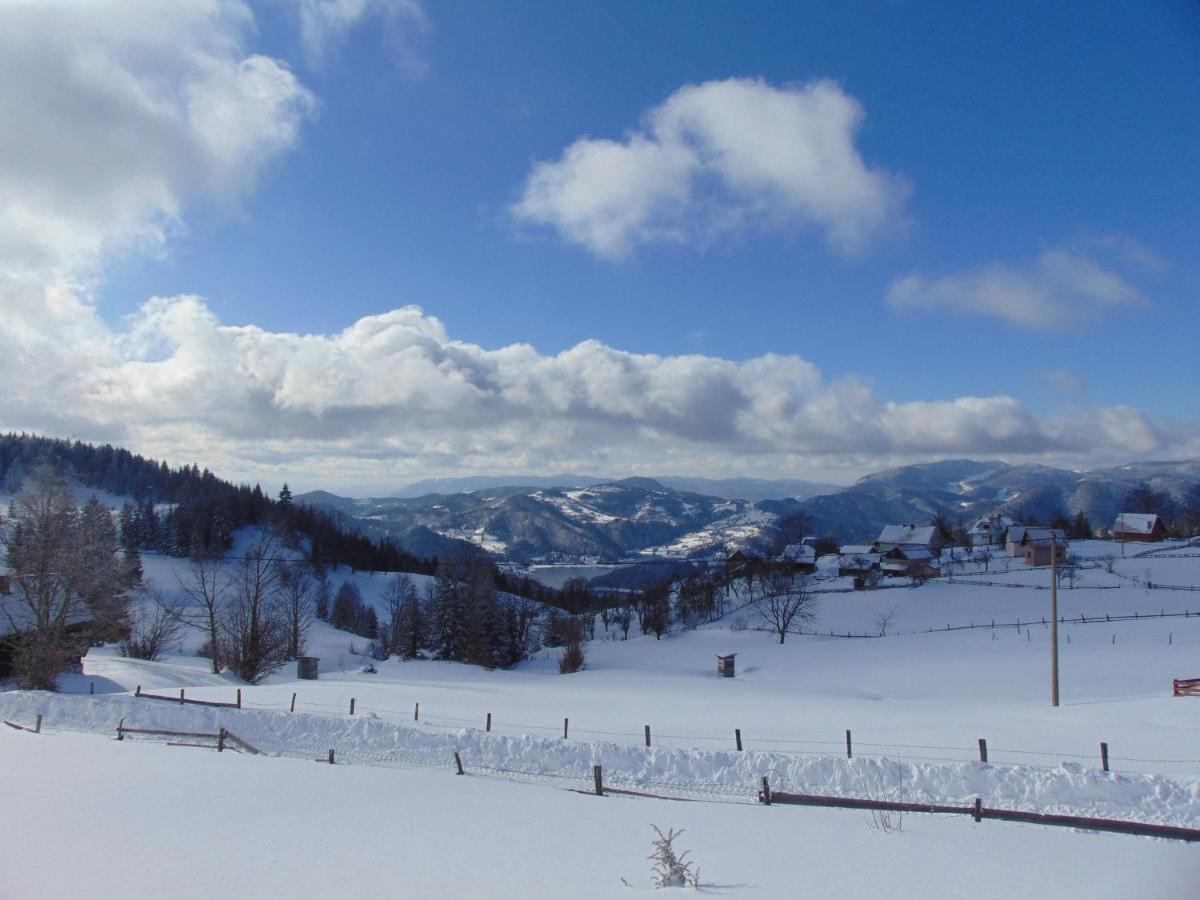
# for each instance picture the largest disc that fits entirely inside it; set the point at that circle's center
(717, 158)
(1057, 290)
(394, 395)
(115, 112)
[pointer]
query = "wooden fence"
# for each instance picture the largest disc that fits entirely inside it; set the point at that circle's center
(220, 739)
(980, 812)
(236, 704)
(1185, 687)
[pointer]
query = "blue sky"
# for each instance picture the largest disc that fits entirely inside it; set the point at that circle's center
(994, 254)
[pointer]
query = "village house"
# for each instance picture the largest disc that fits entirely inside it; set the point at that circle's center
(802, 557)
(1012, 540)
(1139, 527)
(894, 536)
(989, 530)
(1038, 543)
(858, 560)
(914, 562)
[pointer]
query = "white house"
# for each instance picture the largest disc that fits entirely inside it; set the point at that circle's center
(989, 530)
(894, 536)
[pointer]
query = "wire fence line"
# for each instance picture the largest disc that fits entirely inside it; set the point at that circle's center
(733, 739)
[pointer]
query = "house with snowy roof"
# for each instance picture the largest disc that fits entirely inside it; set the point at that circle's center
(857, 559)
(989, 530)
(918, 562)
(894, 536)
(1037, 545)
(802, 557)
(1139, 527)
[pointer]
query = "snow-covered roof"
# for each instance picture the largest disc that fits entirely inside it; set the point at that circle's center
(921, 535)
(799, 553)
(914, 554)
(1136, 523)
(1017, 532)
(856, 550)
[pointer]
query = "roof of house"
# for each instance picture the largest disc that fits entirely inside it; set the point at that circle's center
(987, 523)
(921, 535)
(1044, 536)
(1136, 523)
(1016, 532)
(856, 550)
(799, 553)
(913, 554)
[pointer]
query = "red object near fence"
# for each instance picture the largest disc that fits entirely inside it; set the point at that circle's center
(1186, 687)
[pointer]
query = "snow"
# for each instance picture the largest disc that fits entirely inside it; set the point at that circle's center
(396, 817)
(144, 820)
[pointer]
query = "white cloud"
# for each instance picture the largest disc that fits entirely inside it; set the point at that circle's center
(395, 396)
(1057, 290)
(717, 158)
(325, 25)
(115, 112)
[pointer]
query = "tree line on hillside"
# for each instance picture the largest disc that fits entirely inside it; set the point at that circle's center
(188, 511)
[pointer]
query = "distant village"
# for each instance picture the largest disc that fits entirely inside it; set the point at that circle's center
(915, 551)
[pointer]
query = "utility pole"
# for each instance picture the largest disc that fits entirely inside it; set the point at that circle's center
(1053, 619)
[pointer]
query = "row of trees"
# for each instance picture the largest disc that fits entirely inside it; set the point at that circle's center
(188, 511)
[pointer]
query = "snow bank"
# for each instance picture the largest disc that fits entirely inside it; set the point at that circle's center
(1068, 788)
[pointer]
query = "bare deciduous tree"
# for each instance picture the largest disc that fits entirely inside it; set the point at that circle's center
(154, 624)
(783, 598)
(297, 602)
(205, 584)
(255, 634)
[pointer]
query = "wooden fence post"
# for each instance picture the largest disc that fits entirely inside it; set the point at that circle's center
(978, 811)
(239, 700)
(37, 727)
(849, 746)
(566, 723)
(293, 706)
(138, 692)
(121, 730)
(647, 735)
(737, 737)
(92, 688)
(181, 695)
(221, 741)
(488, 727)
(598, 776)
(331, 757)
(766, 792)
(417, 713)
(982, 750)
(351, 706)
(458, 763)
(1104, 755)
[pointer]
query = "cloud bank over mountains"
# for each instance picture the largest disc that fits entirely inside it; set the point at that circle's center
(118, 114)
(394, 395)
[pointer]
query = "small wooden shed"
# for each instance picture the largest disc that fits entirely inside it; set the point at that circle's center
(307, 667)
(725, 665)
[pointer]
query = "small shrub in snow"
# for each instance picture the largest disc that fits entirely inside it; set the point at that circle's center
(671, 869)
(572, 659)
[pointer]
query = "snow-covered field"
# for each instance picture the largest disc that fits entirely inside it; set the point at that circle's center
(395, 818)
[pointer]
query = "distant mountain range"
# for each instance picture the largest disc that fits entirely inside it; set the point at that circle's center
(752, 489)
(578, 519)
(965, 489)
